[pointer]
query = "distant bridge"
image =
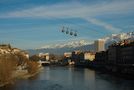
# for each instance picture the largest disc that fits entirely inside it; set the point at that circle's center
(44, 63)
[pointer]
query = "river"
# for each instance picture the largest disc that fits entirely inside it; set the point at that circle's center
(70, 78)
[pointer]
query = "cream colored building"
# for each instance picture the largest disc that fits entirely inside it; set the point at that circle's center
(67, 54)
(46, 55)
(89, 56)
(99, 45)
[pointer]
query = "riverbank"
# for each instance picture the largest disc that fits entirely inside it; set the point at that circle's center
(24, 74)
(21, 74)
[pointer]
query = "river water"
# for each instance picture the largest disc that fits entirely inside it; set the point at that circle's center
(70, 78)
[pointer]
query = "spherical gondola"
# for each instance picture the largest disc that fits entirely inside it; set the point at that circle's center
(67, 31)
(75, 34)
(63, 30)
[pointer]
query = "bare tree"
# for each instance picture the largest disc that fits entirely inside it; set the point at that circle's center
(7, 65)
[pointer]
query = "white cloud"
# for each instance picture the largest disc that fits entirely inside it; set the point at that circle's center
(105, 25)
(74, 10)
(67, 10)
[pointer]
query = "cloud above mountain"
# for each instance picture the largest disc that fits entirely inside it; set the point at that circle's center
(77, 10)
(69, 10)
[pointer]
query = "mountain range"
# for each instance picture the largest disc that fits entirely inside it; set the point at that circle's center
(115, 38)
(79, 45)
(60, 48)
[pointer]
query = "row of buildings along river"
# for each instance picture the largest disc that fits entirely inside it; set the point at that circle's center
(119, 57)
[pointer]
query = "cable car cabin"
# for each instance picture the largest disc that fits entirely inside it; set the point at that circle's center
(71, 33)
(67, 32)
(75, 34)
(63, 30)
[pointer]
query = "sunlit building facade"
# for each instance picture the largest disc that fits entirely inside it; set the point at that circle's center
(99, 45)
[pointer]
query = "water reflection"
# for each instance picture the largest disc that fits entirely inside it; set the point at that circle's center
(89, 76)
(70, 78)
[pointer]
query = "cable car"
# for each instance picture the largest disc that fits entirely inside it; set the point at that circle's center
(71, 33)
(75, 34)
(67, 32)
(63, 30)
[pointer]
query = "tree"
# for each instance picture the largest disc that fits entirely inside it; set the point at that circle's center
(7, 65)
(34, 58)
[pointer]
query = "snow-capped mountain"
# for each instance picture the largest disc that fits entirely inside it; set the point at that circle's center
(71, 44)
(119, 37)
(108, 40)
(82, 45)
(115, 38)
(63, 47)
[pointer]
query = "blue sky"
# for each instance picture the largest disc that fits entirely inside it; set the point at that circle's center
(33, 23)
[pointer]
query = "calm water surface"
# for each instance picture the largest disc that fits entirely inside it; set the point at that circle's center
(69, 78)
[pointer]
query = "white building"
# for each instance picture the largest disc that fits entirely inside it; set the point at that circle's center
(45, 55)
(99, 45)
(89, 56)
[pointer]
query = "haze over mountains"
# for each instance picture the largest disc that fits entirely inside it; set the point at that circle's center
(82, 45)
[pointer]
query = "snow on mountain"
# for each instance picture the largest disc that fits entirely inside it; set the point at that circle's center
(119, 37)
(83, 45)
(71, 44)
(114, 38)
(108, 41)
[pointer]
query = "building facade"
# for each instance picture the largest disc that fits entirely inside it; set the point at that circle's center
(127, 54)
(99, 45)
(77, 56)
(89, 56)
(67, 54)
(44, 56)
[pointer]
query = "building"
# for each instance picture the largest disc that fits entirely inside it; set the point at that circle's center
(74, 56)
(47, 56)
(118, 58)
(44, 55)
(99, 45)
(89, 56)
(113, 54)
(127, 54)
(101, 57)
(77, 57)
(67, 54)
